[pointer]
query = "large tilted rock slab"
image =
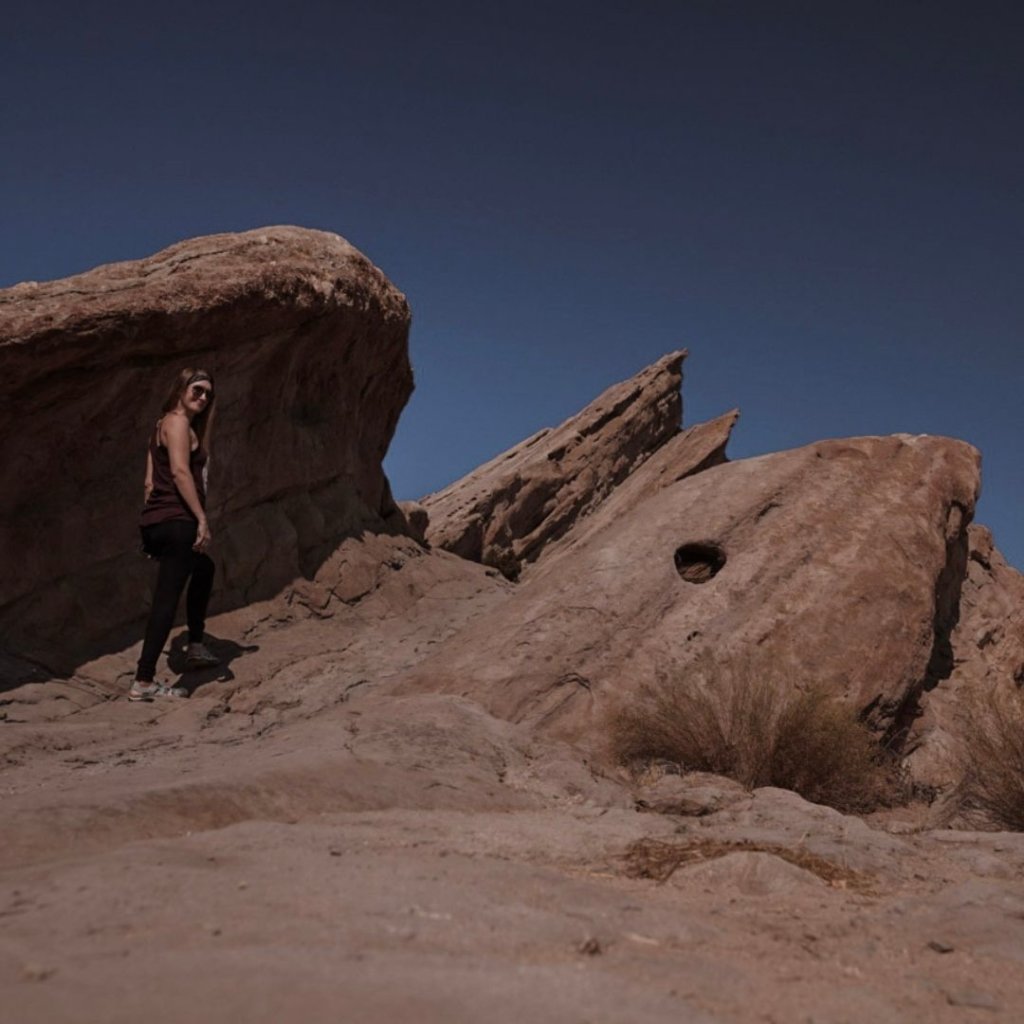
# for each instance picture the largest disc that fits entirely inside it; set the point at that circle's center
(691, 451)
(986, 656)
(839, 563)
(506, 512)
(308, 343)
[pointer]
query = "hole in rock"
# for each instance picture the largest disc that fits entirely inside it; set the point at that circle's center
(697, 563)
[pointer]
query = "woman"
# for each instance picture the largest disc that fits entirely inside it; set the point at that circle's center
(175, 529)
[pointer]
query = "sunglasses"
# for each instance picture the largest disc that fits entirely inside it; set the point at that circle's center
(198, 391)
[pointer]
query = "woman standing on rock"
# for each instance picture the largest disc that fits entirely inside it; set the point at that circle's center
(175, 530)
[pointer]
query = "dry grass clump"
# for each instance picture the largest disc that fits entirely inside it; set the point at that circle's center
(759, 734)
(654, 858)
(991, 760)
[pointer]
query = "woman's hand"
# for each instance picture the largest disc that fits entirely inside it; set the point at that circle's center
(203, 537)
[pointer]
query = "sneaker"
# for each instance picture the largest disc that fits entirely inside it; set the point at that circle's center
(200, 656)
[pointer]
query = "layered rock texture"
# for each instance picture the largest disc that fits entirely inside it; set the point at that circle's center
(837, 564)
(307, 341)
(403, 747)
(507, 512)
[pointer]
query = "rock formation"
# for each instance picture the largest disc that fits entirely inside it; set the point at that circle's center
(506, 512)
(308, 344)
(839, 563)
(383, 750)
(850, 563)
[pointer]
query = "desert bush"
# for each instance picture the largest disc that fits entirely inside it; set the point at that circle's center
(991, 760)
(760, 734)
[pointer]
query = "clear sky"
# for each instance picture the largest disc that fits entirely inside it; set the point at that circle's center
(823, 201)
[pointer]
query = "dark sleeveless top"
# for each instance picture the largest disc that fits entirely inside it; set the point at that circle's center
(165, 501)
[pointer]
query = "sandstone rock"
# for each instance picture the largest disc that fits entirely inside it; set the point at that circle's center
(691, 451)
(508, 510)
(838, 563)
(986, 653)
(696, 794)
(418, 519)
(749, 873)
(777, 817)
(307, 341)
(973, 998)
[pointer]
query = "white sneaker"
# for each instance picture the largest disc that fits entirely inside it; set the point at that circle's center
(200, 656)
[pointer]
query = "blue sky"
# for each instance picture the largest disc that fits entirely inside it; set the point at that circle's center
(822, 201)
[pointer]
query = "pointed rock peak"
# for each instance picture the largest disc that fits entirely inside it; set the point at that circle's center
(691, 451)
(506, 512)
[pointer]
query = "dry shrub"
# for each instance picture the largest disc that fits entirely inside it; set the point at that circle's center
(991, 760)
(759, 734)
(827, 755)
(654, 858)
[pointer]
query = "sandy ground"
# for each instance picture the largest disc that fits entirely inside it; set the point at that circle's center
(294, 843)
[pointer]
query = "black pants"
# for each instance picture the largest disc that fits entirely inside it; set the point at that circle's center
(171, 543)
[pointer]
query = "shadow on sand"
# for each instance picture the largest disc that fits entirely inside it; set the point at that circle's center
(227, 650)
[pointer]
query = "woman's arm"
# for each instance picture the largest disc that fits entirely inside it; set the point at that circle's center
(177, 438)
(147, 487)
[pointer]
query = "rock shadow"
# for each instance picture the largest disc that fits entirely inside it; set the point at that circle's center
(192, 679)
